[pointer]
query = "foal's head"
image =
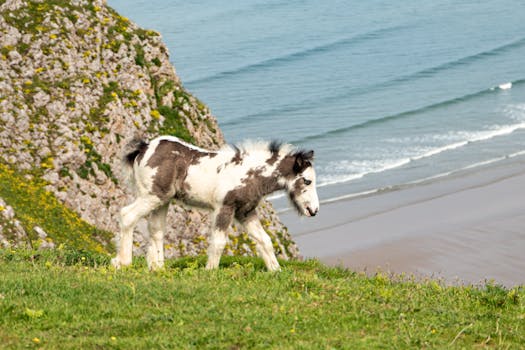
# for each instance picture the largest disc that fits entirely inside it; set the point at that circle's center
(300, 183)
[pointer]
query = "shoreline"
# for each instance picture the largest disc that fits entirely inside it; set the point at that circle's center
(467, 227)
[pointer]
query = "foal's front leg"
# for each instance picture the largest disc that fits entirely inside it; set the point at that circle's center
(222, 219)
(263, 242)
(157, 230)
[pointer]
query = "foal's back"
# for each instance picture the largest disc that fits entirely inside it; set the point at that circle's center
(162, 168)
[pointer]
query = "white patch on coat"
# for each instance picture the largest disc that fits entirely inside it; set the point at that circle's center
(210, 179)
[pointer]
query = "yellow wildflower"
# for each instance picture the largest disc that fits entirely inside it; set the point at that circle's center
(36, 340)
(155, 114)
(47, 163)
(52, 36)
(86, 140)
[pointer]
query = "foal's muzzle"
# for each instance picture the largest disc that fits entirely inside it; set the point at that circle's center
(311, 211)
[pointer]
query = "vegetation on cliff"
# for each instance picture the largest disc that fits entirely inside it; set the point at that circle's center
(76, 81)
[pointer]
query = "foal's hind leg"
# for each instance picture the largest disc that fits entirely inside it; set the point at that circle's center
(129, 216)
(157, 230)
(263, 243)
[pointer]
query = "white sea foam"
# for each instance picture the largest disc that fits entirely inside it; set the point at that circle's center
(505, 86)
(438, 150)
(517, 154)
(426, 179)
(381, 166)
(349, 196)
(378, 168)
(515, 111)
(468, 167)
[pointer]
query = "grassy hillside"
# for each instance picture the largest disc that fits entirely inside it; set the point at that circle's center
(70, 299)
(35, 206)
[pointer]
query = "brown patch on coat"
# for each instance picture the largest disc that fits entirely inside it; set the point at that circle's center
(297, 188)
(294, 164)
(224, 218)
(286, 167)
(237, 158)
(272, 159)
(245, 198)
(172, 160)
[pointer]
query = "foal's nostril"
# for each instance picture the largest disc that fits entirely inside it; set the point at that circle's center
(312, 212)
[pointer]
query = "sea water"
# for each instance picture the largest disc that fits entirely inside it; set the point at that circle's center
(386, 93)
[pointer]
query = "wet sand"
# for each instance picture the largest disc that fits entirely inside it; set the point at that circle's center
(465, 228)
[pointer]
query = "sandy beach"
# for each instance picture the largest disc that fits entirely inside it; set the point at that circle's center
(467, 227)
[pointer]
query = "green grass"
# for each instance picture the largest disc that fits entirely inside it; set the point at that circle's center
(71, 299)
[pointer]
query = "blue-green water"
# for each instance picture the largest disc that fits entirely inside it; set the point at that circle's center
(385, 93)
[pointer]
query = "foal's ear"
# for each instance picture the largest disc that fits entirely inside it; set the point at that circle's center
(302, 161)
(309, 155)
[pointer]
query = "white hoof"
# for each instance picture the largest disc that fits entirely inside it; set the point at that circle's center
(212, 266)
(115, 262)
(274, 266)
(155, 266)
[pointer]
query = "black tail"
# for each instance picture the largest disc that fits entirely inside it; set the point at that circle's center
(133, 149)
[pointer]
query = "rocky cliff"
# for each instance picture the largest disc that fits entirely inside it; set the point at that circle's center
(77, 80)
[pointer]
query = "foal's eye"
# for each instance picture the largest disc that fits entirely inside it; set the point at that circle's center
(307, 182)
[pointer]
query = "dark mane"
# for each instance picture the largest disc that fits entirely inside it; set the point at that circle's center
(275, 146)
(235, 148)
(304, 154)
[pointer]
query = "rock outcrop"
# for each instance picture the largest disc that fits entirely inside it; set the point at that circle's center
(77, 80)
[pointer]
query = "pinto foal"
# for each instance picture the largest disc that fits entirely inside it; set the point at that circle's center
(230, 182)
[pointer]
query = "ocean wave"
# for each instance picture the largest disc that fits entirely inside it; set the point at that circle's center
(461, 61)
(378, 167)
(381, 166)
(423, 180)
(306, 105)
(402, 115)
(424, 73)
(515, 111)
(295, 56)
